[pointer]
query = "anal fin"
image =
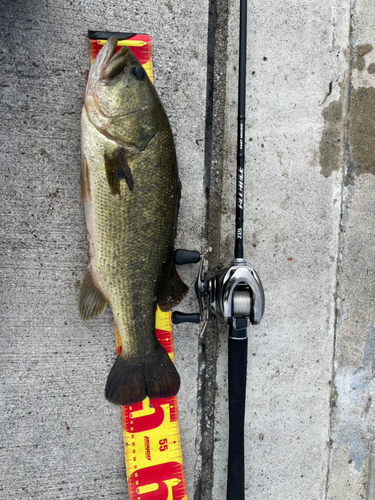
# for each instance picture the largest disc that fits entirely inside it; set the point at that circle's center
(172, 290)
(91, 300)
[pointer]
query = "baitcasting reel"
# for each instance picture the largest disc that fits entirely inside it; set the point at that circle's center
(235, 294)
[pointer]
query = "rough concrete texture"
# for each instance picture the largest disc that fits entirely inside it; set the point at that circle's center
(310, 226)
(296, 95)
(59, 438)
(309, 231)
(216, 79)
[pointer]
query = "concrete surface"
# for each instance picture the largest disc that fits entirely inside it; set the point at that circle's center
(309, 229)
(292, 214)
(59, 438)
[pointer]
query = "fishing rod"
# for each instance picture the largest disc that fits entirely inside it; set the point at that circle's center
(234, 295)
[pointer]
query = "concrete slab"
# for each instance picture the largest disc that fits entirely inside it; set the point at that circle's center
(59, 437)
(294, 148)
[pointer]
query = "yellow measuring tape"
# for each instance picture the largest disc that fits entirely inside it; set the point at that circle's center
(151, 434)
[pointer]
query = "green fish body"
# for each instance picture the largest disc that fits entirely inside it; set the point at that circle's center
(131, 191)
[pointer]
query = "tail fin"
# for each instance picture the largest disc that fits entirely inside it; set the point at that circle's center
(132, 379)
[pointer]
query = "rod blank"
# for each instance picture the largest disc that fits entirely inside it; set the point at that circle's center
(238, 248)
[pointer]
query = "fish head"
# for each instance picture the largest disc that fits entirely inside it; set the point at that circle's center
(120, 99)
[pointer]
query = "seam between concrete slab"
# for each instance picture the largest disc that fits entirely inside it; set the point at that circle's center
(203, 440)
(347, 177)
(212, 15)
(215, 105)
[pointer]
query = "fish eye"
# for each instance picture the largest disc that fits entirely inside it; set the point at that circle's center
(138, 72)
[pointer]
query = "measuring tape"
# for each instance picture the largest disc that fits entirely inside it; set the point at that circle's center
(140, 45)
(152, 445)
(151, 434)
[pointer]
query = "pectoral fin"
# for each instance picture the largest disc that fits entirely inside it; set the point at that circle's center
(91, 300)
(117, 168)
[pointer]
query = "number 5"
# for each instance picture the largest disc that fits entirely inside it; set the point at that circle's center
(163, 444)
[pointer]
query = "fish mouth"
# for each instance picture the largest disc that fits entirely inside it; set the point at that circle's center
(112, 62)
(107, 64)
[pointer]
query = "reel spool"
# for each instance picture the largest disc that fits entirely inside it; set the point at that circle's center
(234, 295)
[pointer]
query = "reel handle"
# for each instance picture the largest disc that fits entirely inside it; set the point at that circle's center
(180, 317)
(182, 257)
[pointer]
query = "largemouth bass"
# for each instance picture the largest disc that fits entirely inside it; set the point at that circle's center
(131, 192)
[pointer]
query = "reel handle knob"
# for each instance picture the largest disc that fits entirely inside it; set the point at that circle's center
(179, 317)
(186, 256)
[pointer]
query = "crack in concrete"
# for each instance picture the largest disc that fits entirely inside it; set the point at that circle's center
(347, 179)
(215, 103)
